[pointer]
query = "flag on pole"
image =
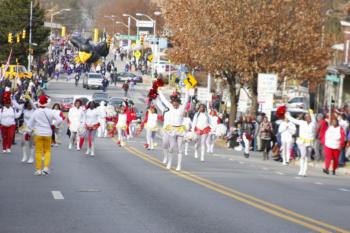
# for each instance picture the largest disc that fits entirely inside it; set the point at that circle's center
(6, 66)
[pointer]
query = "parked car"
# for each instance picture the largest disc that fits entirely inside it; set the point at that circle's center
(66, 104)
(127, 76)
(93, 80)
(165, 68)
(84, 98)
(299, 102)
(100, 95)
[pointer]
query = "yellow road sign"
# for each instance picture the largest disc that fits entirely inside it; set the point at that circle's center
(137, 54)
(150, 57)
(190, 81)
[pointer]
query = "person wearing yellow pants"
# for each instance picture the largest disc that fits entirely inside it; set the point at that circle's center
(40, 123)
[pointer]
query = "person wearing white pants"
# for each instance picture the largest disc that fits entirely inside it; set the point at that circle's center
(214, 122)
(102, 132)
(165, 135)
(188, 125)
(91, 125)
(150, 123)
(176, 129)
(307, 129)
(121, 125)
(286, 129)
(27, 141)
(75, 119)
(201, 126)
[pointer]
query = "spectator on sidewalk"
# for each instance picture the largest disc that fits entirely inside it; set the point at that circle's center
(334, 142)
(125, 87)
(344, 124)
(266, 136)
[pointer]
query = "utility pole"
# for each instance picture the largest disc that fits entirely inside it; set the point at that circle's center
(30, 37)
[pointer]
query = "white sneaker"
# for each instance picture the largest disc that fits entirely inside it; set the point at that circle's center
(46, 171)
(4, 151)
(31, 160)
(196, 155)
(8, 150)
(92, 153)
(70, 146)
(165, 161)
(37, 173)
(87, 151)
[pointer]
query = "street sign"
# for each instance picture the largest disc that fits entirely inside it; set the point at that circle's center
(126, 37)
(150, 57)
(137, 54)
(332, 78)
(190, 81)
(267, 86)
(203, 94)
(144, 24)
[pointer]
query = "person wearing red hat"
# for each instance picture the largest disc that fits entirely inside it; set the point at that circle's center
(40, 125)
(8, 116)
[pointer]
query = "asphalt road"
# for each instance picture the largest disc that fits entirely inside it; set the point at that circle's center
(128, 190)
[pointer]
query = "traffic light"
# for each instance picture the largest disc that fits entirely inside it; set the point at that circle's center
(109, 40)
(9, 38)
(18, 38)
(63, 31)
(23, 34)
(142, 39)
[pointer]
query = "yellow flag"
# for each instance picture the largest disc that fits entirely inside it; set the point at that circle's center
(82, 57)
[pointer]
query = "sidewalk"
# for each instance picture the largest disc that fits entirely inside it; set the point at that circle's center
(258, 155)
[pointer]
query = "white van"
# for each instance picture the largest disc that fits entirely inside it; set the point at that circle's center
(93, 80)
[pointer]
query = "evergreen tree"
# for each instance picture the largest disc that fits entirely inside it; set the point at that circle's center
(14, 18)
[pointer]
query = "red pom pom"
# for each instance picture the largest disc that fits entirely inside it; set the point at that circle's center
(152, 94)
(158, 83)
(281, 111)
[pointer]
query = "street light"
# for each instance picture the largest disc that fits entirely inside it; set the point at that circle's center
(129, 22)
(112, 17)
(155, 49)
(119, 22)
(51, 22)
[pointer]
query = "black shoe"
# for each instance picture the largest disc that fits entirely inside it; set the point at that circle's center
(333, 173)
(325, 171)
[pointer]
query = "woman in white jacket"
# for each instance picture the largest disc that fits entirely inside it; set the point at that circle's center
(286, 129)
(102, 132)
(150, 123)
(214, 122)
(75, 118)
(201, 126)
(305, 141)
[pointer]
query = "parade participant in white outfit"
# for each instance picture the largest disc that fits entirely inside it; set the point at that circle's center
(201, 126)
(150, 123)
(40, 123)
(286, 129)
(188, 137)
(102, 132)
(27, 141)
(175, 129)
(165, 135)
(214, 121)
(91, 124)
(307, 129)
(121, 125)
(75, 118)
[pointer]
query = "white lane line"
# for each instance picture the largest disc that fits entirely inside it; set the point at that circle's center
(57, 195)
(344, 190)
(279, 173)
(318, 183)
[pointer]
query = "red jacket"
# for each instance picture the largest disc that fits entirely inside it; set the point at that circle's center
(322, 128)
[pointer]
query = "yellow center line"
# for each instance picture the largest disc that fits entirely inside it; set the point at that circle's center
(265, 206)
